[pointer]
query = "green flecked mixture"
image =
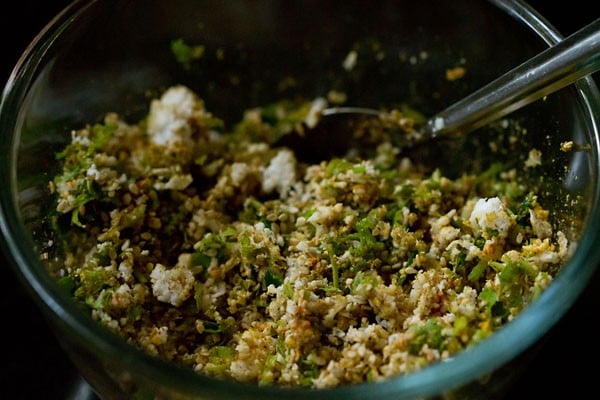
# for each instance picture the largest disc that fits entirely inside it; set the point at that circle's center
(221, 250)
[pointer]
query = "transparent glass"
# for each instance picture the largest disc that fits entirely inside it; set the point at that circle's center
(101, 56)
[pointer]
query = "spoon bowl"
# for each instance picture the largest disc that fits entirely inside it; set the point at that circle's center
(550, 70)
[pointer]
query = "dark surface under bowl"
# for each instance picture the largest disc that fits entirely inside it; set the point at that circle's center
(34, 366)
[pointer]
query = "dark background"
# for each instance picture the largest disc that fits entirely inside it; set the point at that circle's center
(34, 367)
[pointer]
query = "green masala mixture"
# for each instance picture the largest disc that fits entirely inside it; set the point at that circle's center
(221, 251)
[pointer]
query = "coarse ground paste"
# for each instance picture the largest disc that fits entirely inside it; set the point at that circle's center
(218, 250)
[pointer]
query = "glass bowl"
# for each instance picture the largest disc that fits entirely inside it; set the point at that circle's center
(103, 56)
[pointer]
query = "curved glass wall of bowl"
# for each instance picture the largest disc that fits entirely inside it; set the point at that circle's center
(46, 97)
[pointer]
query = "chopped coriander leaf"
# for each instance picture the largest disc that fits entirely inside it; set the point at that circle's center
(429, 334)
(185, 53)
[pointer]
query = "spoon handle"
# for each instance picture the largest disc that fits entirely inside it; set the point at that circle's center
(564, 63)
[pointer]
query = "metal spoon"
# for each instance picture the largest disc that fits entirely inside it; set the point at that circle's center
(554, 68)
